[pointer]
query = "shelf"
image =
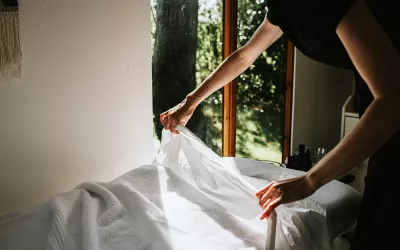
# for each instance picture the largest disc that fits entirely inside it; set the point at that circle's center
(351, 114)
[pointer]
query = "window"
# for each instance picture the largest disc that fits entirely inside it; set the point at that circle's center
(260, 101)
(190, 39)
(187, 47)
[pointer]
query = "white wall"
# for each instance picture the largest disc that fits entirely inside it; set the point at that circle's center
(82, 110)
(319, 94)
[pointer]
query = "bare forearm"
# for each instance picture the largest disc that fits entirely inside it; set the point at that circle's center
(237, 63)
(380, 122)
(376, 59)
(233, 66)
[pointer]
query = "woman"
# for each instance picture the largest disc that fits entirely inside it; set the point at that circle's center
(359, 35)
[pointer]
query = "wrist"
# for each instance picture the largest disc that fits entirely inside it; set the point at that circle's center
(191, 101)
(312, 180)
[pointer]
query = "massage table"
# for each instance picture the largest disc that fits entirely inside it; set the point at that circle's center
(188, 198)
(341, 201)
(28, 228)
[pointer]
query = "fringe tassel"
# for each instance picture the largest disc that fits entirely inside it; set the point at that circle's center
(10, 47)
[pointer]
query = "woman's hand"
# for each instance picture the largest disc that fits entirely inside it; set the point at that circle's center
(178, 115)
(281, 192)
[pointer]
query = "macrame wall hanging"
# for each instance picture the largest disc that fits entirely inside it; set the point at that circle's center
(10, 45)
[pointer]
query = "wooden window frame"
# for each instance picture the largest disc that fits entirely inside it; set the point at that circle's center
(230, 25)
(287, 134)
(229, 96)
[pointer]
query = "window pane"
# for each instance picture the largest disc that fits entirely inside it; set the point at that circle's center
(261, 92)
(187, 47)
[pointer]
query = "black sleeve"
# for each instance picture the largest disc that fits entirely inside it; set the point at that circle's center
(273, 12)
(334, 11)
(326, 12)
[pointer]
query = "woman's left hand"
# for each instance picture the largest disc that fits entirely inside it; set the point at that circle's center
(281, 192)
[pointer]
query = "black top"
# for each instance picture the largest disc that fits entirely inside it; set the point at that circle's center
(311, 26)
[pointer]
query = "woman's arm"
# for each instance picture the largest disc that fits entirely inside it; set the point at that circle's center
(378, 62)
(234, 65)
(238, 62)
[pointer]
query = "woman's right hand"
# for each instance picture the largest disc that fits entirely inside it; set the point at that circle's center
(178, 115)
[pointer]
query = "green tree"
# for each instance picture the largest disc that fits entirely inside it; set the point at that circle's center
(208, 57)
(174, 56)
(187, 37)
(260, 96)
(186, 49)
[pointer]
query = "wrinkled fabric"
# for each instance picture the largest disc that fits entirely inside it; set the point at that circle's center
(188, 198)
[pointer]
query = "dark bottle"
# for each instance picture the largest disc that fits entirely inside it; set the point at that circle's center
(301, 160)
(290, 162)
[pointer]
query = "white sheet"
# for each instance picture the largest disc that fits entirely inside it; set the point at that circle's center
(341, 202)
(26, 229)
(167, 213)
(162, 207)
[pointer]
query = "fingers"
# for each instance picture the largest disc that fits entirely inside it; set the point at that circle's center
(167, 124)
(173, 117)
(269, 207)
(262, 191)
(173, 129)
(271, 193)
(264, 198)
(162, 117)
(281, 192)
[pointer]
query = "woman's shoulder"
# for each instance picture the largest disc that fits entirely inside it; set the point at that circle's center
(323, 13)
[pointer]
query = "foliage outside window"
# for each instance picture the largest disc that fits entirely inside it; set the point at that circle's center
(187, 47)
(261, 91)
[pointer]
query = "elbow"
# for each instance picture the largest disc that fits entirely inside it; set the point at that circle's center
(389, 98)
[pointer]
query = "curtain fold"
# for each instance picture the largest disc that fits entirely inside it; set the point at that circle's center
(10, 46)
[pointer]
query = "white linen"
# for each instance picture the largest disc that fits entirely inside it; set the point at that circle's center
(25, 229)
(340, 201)
(187, 199)
(148, 208)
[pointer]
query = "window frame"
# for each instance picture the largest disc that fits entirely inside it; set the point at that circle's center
(230, 25)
